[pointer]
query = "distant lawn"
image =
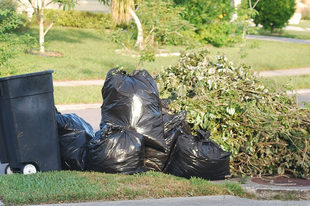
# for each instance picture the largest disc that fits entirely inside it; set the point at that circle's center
(303, 24)
(88, 55)
(269, 55)
(294, 82)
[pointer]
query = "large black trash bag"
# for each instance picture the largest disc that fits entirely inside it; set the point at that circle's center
(198, 156)
(175, 125)
(132, 100)
(74, 134)
(116, 149)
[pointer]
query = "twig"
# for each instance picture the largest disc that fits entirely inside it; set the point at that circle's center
(127, 49)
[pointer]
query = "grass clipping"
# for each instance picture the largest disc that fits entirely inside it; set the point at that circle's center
(264, 130)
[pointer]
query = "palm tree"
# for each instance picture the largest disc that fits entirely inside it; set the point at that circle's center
(122, 11)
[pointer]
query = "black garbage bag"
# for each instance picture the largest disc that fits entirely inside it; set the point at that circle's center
(198, 156)
(175, 125)
(132, 100)
(74, 134)
(116, 149)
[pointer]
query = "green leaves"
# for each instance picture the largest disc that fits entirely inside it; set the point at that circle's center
(263, 129)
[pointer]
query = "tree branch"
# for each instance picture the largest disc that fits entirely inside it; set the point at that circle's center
(50, 26)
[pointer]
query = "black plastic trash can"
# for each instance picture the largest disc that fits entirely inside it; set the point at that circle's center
(28, 127)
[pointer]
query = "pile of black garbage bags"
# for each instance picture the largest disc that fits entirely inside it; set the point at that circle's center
(138, 133)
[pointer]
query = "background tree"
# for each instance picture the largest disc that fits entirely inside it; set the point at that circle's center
(274, 14)
(122, 11)
(12, 36)
(39, 6)
(211, 19)
(8, 4)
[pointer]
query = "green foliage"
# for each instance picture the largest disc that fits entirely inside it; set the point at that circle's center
(8, 4)
(211, 19)
(219, 34)
(79, 19)
(264, 130)
(163, 25)
(11, 42)
(305, 14)
(10, 21)
(274, 14)
(204, 12)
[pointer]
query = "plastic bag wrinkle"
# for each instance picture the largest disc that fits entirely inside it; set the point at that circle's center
(116, 149)
(74, 135)
(133, 100)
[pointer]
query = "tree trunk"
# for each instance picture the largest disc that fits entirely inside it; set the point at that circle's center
(139, 42)
(41, 30)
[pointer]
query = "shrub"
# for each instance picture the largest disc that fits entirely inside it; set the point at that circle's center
(79, 19)
(10, 21)
(219, 34)
(10, 41)
(274, 14)
(264, 130)
(211, 20)
(305, 14)
(162, 23)
(8, 5)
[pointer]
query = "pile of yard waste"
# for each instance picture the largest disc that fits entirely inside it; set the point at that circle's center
(138, 133)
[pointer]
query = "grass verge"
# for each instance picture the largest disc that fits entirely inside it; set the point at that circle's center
(77, 95)
(72, 186)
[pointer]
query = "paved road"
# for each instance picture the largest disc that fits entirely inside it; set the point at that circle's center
(283, 39)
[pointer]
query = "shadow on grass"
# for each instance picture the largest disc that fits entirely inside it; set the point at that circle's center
(70, 35)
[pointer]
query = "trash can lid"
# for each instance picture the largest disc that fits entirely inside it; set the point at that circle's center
(26, 75)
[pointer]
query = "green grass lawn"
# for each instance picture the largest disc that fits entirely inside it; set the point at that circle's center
(72, 186)
(293, 82)
(302, 24)
(88, 55)
(269, 55)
